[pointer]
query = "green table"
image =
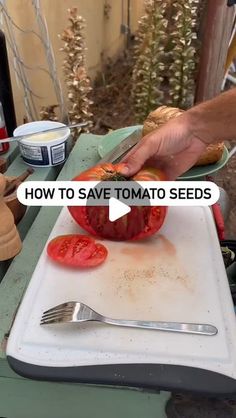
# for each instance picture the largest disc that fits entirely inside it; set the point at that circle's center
(24, 398)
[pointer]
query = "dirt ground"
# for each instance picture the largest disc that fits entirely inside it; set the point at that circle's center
(187, 406)
(112, 106)
(113, 109)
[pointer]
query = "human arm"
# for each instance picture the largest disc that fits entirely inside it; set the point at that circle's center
(177, 145)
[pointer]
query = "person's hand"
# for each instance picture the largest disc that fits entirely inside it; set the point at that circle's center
(173, 148)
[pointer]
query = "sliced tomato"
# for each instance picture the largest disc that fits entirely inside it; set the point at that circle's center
(80, 216)
(76, 251)
(99, 255)
(139, 223)
(153, 221)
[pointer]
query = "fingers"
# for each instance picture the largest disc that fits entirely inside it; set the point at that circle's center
(131, 152)
(184, 160)
(136, 158)
(165, 142)
(161, 142)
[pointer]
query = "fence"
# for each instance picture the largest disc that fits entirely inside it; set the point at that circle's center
(104, 38)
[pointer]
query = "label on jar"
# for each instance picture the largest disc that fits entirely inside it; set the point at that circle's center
(58, 153)
(34, 155)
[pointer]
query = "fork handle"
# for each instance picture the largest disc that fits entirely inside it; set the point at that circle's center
(187, 328)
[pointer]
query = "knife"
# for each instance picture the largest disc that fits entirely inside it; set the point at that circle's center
(45, 131)
(121, 149)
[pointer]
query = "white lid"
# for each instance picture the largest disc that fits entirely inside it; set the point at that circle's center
(38, 126)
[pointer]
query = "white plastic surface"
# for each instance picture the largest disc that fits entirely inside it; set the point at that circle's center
(177, 275)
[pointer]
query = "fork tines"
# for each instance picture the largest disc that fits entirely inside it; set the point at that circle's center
(57, 314)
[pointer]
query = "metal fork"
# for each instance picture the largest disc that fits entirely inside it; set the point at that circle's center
(77, 312)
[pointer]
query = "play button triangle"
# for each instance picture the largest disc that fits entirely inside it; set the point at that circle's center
(117, 209)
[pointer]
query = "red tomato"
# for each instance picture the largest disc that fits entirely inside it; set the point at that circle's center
(139, 223)
(98, 256)
(76, 251)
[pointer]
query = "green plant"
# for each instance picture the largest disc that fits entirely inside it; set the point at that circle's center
(149, 55)
(166, 56)
(183, 54)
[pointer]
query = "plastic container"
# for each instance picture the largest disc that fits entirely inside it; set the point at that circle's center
(44, 150)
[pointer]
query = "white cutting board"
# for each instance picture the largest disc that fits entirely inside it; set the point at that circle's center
(177, 275)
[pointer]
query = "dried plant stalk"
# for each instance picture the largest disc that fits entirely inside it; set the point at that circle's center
(77, 80)
(48, 113)
(149, 59)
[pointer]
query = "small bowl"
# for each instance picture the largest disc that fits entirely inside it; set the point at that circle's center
(46, 150)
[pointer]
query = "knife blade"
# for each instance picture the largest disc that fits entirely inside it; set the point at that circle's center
(121, 149)
(45, 131)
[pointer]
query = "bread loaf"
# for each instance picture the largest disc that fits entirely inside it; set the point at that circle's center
(163, 114)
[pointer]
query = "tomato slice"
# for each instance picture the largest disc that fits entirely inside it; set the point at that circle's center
(99, 255)
(76, 251)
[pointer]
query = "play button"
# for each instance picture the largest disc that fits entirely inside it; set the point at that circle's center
(117, 209)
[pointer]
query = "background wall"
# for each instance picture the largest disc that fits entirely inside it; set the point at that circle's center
(103, 39)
